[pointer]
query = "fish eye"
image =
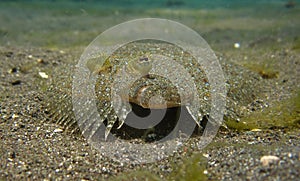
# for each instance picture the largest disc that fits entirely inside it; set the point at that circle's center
(144, 59)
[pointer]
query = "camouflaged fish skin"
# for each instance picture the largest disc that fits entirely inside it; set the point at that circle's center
(241, 87)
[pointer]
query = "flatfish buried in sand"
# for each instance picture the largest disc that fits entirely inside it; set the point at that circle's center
(119, 94)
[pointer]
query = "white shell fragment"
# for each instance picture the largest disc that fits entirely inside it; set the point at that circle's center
(268, 159)
(43, 75)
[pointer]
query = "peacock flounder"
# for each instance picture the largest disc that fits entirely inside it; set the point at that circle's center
(130, 75)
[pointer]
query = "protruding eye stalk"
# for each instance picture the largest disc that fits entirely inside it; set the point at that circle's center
(140, 66)
(144, 59)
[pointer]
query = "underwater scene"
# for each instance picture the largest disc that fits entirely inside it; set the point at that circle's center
(84, 97)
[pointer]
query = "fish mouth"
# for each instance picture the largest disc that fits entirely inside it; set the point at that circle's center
(153, 133)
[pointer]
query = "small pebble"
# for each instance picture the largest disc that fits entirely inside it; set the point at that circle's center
(205, 155)
(15, 116)
(13, 70)
(39, 60)
(268, 159)
(69, 167)
(43, 75)
(237, 45)
(58, 130)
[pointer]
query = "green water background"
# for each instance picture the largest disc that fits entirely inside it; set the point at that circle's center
(65, 24)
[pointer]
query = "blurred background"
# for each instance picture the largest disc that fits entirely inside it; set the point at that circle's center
(67, 24)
